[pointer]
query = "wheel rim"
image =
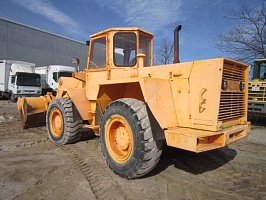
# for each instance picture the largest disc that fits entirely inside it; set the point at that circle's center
(56, 123)
(119, 140)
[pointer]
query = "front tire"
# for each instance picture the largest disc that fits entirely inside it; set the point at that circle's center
(63, 122)
(13, 98)
(126, 139)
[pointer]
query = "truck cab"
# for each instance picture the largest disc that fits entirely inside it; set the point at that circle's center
(23, 81)
(51, 74)
(18, 79)
(24, 84)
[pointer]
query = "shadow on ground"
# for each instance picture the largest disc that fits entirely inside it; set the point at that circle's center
(194, 163)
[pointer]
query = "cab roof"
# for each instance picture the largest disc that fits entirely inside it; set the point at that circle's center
(122, 29)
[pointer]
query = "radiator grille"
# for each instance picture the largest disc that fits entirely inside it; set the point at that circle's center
(232, 104)
(233, 72)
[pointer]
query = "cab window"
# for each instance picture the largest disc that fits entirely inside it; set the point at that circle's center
(98, 54)
(145, 48)
(125, 49)
(259, 70)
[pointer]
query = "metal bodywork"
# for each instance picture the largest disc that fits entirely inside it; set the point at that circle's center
(196, 106)
(257, 90)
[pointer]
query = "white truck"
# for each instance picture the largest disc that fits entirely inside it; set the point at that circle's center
(18, 79)
(51, 74)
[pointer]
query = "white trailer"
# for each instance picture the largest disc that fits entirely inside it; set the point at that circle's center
(18, 79)
(51, 74)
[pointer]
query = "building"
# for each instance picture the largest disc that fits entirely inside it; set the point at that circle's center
(25, 43)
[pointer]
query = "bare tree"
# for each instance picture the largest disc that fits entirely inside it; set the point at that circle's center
(247, 41)
(165, 53)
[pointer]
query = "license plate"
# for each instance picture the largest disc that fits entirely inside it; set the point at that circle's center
(255, 88)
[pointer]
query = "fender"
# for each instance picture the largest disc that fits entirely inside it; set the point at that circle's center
(75, 90)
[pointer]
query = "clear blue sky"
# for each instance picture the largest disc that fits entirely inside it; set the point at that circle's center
(202, 20)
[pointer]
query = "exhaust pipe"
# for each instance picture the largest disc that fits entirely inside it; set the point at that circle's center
(176, 44)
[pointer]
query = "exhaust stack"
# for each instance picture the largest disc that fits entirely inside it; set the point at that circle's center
(176, 44)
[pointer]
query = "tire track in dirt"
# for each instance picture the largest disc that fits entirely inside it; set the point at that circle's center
(226, 179)
(105, 184)
(26, 172)
(103, 180)
(102, 186)
(246, 177)
(16, 137)
(226, 173)
(87, 156)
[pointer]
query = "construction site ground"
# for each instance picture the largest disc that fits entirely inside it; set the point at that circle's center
(32, 167)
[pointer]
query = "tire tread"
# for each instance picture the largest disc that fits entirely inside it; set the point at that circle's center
(72, 124)
(150, 150)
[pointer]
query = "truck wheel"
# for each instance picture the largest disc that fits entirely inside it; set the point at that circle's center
(13, 98)
(126, 139)
(63, 122)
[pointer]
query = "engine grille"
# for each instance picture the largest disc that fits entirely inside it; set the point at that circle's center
(257, 91)
(232, 103)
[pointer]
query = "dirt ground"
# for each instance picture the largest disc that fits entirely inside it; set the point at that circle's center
(31, 167)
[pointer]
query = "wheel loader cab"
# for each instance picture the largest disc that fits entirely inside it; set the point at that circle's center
(119, 48)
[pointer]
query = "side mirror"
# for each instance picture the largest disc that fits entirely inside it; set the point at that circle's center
(75, 61)
(13, 78)
(88, 43)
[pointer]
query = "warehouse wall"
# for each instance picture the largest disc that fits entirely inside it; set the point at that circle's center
(24, 43)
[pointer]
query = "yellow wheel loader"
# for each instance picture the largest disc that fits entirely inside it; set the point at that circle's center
(136, 107)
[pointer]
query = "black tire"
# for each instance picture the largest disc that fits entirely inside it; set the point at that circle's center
(126, 139)
(13, 98)
(63, 122)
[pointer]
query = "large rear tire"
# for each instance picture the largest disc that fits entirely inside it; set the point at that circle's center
(63, 122)
(126, 139)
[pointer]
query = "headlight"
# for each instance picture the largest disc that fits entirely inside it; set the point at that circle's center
(39, 92)
(18, 91)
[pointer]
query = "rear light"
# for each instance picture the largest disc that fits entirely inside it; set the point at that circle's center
(224, 84)
(241, 86)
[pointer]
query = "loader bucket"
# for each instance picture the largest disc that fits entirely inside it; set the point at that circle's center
(32, 111)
